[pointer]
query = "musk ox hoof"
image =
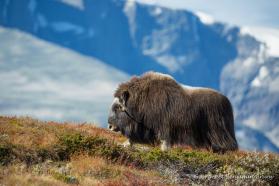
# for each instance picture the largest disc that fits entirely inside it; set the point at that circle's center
(127, 144)
(165, 145)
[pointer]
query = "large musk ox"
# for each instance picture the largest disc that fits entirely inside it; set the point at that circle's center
(155, 108)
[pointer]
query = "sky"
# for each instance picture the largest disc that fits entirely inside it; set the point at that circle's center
(254, 13)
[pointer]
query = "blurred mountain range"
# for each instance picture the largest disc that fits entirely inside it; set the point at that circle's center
(62, 59)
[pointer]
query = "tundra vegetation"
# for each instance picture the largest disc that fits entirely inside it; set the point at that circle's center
(34, 152)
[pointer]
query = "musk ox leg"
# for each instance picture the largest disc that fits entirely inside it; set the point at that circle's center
(165, 145)
(127, 143)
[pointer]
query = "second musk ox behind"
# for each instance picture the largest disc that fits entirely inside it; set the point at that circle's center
(155, 108)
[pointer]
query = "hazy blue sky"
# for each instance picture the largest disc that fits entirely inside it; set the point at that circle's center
(238, 12)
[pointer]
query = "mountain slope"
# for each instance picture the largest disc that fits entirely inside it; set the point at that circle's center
(49, 82)
(255, 99)
(130, 36)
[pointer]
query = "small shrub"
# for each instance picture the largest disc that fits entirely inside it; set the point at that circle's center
(5, 154)
(77, 142)
(65, 178)
(104, 173)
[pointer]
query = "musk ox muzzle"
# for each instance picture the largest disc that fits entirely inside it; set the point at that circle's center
(113, 127)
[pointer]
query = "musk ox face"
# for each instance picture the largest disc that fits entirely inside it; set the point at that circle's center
(116, 116)
(121, 118)
(118, 119)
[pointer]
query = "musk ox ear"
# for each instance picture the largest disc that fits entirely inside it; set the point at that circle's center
(124, 97)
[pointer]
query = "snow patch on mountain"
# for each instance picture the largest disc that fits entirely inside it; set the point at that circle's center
(205, 18)
(74, 3)
(67, 26)
(165, 36)
(270, 36)
(263, 72)
(130, 11)
(157, 11)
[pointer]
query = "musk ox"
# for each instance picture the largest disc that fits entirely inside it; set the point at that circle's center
(155, 108)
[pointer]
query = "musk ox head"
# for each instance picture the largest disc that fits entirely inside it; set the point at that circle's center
(118, 119)
(124, 118)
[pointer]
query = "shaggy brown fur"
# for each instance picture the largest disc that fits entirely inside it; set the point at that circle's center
(158, 108)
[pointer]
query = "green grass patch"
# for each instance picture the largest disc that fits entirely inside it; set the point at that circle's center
(65, 178)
